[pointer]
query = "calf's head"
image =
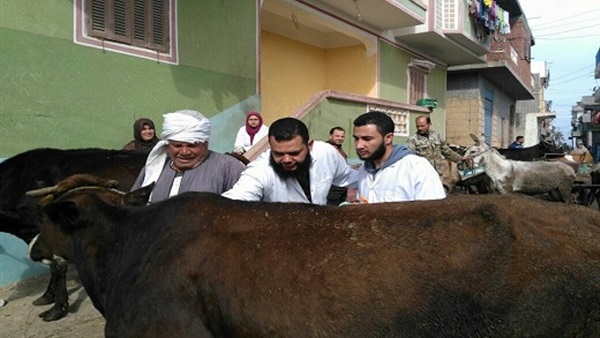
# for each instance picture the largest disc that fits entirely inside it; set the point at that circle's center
(75, 204)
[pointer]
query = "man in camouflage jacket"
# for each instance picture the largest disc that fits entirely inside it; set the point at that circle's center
(429, 144)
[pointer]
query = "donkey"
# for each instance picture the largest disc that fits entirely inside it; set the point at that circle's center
(530, 178)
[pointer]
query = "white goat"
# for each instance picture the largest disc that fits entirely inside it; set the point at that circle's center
(530, 178)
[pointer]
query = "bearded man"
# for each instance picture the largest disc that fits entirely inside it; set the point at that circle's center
(391, 173)
(295, 169)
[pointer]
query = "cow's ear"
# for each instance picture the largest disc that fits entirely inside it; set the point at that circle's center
(64, 213)
(139, 197)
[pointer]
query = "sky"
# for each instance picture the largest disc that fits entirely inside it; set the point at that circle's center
(567, 37)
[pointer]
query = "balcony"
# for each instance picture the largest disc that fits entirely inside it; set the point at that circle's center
(448, 34)
(383, 15)
(502, 74)
(339, 23)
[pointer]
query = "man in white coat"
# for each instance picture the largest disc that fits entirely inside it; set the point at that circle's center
(295, 169)
(391, 173)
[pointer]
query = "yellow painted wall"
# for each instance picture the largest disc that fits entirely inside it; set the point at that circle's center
(350, 70)
(292, 72)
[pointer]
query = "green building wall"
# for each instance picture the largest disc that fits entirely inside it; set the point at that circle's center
(55, 93)
(394, 79)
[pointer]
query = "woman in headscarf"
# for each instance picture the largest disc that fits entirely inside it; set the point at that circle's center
(144, 136)
(250, 133)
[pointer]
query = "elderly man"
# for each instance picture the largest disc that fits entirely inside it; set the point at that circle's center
(295, 169)
(391, 173)
(182, 162)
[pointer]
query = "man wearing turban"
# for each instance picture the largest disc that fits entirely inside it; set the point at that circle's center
(182, 162)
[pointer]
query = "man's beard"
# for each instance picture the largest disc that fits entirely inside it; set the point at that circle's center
(376, 155)
(301, 168)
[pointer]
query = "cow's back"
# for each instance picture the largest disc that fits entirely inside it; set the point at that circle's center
(45, 167)
(464, 266)
(532, 153)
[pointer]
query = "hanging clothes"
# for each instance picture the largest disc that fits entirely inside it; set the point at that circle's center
(507, 21)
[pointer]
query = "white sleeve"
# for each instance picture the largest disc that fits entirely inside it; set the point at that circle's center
(344, 176)
(250, 186)
(239, 138)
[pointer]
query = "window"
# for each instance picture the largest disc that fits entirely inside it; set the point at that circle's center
(141, 23)
(145, 28)
(416, 83)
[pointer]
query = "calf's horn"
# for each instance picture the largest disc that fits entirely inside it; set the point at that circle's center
(74, 181)
(41, 192)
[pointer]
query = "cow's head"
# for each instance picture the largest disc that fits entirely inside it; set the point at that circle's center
(75, 204)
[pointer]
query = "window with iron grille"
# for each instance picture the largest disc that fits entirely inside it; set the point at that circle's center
(139, 23)
(416, 83)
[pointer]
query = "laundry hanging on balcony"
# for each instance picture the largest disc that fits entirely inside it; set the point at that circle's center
(489, 18)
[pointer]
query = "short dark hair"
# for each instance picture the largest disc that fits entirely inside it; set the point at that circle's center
(382, 122)
(288, 128)
(520, 137)
(336, 128)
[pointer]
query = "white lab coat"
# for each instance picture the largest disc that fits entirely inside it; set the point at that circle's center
(243, 139)
(408, 179)
(259, 182)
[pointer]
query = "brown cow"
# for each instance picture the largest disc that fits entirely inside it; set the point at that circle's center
(199, 265)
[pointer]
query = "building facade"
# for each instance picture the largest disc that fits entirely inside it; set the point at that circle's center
(64, 87)
(78, 74)
(585, 118)
(534, 117)
(482, 98)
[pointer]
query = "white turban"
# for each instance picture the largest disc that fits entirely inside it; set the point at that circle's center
(182, 126)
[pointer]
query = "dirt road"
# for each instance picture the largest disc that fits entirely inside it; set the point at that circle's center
(18, 318)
